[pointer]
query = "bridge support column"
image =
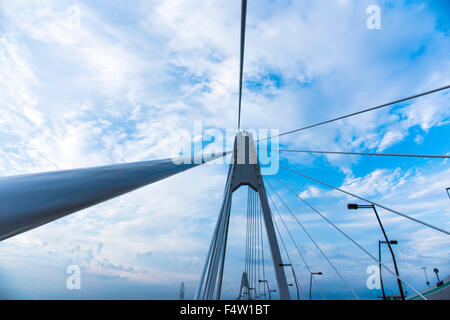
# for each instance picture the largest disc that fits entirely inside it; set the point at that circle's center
(244, 170)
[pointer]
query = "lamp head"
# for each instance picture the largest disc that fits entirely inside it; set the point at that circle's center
(352, 206)
(285, 265)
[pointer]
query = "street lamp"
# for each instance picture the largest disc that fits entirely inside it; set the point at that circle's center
(270, 291)
(379, 263)
(310, 281)
(439, 283)
(448, 192)
(265, 283)
(295, 278)
(436, 270)
(268, 288)
(353, 206)
(250, 293)
(426, 277)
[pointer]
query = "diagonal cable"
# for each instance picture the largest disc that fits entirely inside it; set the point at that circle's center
(366, 153)
(262, 252)
(241, 67)
(258, 221)
(354, 242)
(313, 241)
(359, 112)
(293, 241)
(286, 251)
(361, 198)
(253, 246)
(247, 234)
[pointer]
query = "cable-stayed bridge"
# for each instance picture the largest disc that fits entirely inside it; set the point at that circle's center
(29, 201)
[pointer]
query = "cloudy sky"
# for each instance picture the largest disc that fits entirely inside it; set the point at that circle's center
(87, 84)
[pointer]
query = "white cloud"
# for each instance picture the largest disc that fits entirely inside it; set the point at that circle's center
(115, 91)
(310, 192)
(390, 138)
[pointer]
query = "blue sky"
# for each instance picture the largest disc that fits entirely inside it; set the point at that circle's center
(117, 86)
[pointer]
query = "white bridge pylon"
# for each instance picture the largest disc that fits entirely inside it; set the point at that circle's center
(244, 170)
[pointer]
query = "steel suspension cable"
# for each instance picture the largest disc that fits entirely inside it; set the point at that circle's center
(359, 112)
(255, 259)
(262, 253)
(241, 66)
(361, 198)
(296, 246)
(252, 242)
(220, 242)
(222, 261)
(251, 246)
(368, 154)
(293, 241)
(247, 240)
(258, 211)
(253, 283)
(313, 241)
(247, 270)
(354, 241)
(246, 235)
(282, 242)
(255, 246)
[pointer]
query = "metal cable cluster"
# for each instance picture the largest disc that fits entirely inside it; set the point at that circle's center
(254, 249)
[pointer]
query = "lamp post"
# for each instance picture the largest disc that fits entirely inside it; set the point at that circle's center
(310, 281)
(426, 277)
(436, 270)
(379, 267)
(352, 206)
(270, 296)
(265, 283)
(268, 288)
(379, 263)
(295, 278)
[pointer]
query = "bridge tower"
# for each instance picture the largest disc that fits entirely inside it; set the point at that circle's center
(182, 289)
(244, 170)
